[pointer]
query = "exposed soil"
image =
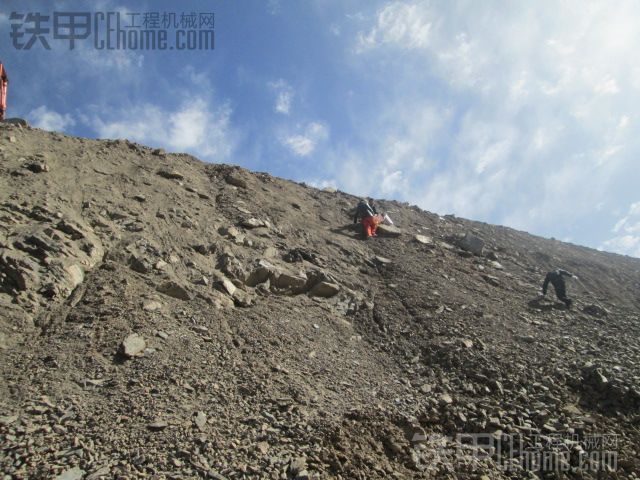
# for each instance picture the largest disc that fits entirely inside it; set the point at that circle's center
(266, 339)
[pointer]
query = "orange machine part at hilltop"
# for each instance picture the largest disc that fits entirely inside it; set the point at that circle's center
(4, 83)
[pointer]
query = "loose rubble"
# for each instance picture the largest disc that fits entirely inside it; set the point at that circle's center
(165, 318)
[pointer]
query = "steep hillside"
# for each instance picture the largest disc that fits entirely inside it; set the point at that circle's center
(161, 317)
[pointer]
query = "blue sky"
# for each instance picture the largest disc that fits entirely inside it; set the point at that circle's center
(517, 113)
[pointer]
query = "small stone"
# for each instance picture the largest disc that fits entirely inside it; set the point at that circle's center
(382, 260)
(200, 420)
(445, 399)
(171, 174)
(162, 335)
(466, 343)
(262, 447)
(426, 388)
(297, 465)
(490, 279)
(74, 473)
(388, 231)
(251, 223)
(172, 289)
(8, 420)
(157, 425)
(133, 345)
(38, 167)
(226, 286)
(325, 290)
(151, 306)
(423, 239)
(140, 198)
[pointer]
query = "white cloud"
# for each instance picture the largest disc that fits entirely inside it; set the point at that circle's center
(284, 96)
(540, 99)
(401, 24)
(46, 119)
(627, 230)
(195, 126)
(305, 143)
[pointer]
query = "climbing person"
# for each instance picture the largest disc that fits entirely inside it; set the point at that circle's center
(556, 278)
(368, 214)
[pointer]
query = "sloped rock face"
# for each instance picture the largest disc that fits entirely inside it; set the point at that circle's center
(43, 256)
(165, 318)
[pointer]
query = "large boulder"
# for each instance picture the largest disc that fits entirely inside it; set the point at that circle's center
(472, 243)
(262, 272)
(290, 281)
(236, 180)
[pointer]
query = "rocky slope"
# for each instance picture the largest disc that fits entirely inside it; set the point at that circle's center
(161, 317)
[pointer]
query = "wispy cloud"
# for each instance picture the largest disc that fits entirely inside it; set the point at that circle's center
(405, 25)
(539, 98)
(627, 233)
(304, 143)
(195, 126)
(284, 96)
(46, 119)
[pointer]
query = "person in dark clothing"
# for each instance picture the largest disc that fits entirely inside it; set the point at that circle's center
(556, 278)
(368, 214)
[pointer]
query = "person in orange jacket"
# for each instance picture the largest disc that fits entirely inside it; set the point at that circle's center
(4, 83)
(369, 218)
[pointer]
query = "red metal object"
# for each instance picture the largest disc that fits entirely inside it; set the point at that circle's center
(4, 84)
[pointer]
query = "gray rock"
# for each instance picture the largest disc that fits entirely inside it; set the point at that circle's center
(382, 260)
(200, 420)
(251, 223)
(175, 290)
(290, 281)
(324, 289)
(389, 231)
(260, 274)
(74, 473)
(297, 465)
(495, 281)
(139, 264)
(37, 167)
(151, 306)
(133, 345)
(472, 243)
(16, 121)
(225, 285)
(236, 180)
(496, 265)
(171, 174)
(157, 425)
(423, 239)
